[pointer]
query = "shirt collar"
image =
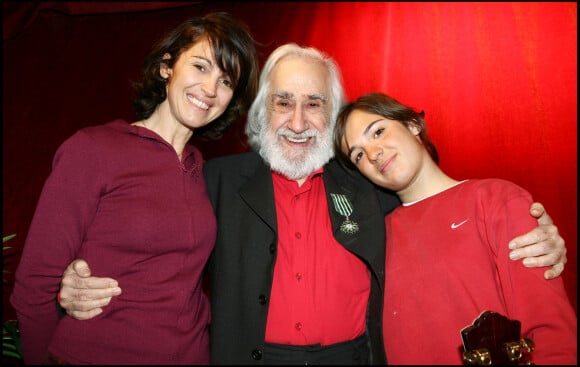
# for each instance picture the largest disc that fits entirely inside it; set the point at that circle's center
(281, 177)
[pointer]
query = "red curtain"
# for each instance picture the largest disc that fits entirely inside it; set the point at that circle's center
(497, 80)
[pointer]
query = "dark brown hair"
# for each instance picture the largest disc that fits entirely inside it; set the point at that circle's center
(235, 53)
(388, 107)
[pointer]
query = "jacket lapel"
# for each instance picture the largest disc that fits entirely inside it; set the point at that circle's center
(258, 193)
(369, 241)
(336, 181)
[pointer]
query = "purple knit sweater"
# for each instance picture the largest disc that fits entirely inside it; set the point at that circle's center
(119, 197)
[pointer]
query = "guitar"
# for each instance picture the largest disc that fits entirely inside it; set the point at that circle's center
(493, 339)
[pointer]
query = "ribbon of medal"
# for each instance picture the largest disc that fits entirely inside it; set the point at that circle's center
(344, 207)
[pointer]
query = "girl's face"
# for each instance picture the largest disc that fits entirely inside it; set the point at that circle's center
(385, 151)
(198, 92)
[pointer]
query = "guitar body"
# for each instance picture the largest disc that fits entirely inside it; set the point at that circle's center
(493, 339)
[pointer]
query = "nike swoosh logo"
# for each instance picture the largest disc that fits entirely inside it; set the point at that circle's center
(453, 225)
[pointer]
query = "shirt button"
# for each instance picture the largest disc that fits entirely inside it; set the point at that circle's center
(298, 326)
(257, 354)
(298, 276)
(262, 299)
(298, 235)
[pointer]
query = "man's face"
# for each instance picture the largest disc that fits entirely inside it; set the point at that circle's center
(297, 140)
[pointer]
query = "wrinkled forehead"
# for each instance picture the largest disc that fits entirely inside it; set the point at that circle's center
(300, 78)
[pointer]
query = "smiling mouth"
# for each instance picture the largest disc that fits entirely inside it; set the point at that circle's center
(386, 165)
(297, 140)
(198, 103)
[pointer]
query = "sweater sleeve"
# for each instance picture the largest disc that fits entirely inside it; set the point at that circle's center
(541, 305)
(67, 204)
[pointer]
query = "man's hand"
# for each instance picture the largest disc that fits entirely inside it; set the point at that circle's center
(542, 246)
(83, 296)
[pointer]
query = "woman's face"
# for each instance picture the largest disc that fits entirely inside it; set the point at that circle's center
(385, 151)
(198, 92)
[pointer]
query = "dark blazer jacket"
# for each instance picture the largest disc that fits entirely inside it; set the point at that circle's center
(242, 264)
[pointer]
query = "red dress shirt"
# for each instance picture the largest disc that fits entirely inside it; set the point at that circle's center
(320, 290)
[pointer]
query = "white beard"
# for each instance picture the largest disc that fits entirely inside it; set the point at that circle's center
(295, 163)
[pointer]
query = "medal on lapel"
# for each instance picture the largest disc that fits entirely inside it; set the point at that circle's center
(343, 206)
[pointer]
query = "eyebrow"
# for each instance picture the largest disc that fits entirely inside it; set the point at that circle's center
(287, 95)
(201, 58)
(279, 94)
(365, 132)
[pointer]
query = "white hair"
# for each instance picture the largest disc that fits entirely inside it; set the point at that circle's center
(258, 118)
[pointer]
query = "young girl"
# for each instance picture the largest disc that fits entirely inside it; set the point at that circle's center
(446, 259)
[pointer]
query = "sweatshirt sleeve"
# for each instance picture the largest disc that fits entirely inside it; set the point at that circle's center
(542, 306)
(67, 204)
